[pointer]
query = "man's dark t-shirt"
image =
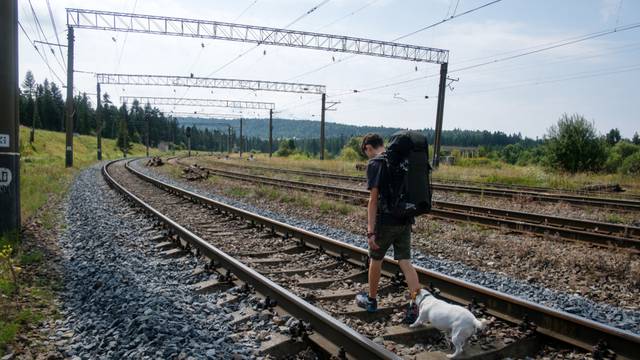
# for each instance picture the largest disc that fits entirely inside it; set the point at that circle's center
(376, 177)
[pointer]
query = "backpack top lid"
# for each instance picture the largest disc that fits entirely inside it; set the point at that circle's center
(403, 142)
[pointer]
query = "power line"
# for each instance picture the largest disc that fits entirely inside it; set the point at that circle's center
(546, 48)
(348, 15)
(398, 38)
(566, 43)
(55, 32)
(42, 57)
(447, 19)
(245, 10)
(307, 13)
(576, 76)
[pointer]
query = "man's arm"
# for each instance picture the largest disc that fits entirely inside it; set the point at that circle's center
(372, 209)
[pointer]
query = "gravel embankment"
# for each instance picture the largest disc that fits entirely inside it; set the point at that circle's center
(624, 319)
(122, 299)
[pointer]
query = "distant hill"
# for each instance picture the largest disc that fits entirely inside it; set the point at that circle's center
(287, 128)
(310, 129)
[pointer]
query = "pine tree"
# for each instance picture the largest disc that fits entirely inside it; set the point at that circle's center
(123, 131)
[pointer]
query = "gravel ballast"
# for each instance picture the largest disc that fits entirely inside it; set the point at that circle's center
(623, 319)
(122, 299)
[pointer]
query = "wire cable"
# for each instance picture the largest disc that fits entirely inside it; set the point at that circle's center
(55, 32)
(396, 39)
(245, 10)
(42, 57)
(307, 13)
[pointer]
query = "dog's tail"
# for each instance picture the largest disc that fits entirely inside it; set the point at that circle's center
(480, 324)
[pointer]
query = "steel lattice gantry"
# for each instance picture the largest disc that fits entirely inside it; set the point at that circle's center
(204, 82)
(219, 83)
(162, 25)
(237, 104)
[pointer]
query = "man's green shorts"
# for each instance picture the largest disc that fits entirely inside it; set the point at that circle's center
(397, 235)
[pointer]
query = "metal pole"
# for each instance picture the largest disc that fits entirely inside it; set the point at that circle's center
(189, 146)
(146, 125)
(324, 100)
(69, 122)
(173, 134)
(270, 132)
(9, 128)
(99, 122)
(438, 132)
(229, 141)
(241, 143)
(32, 133)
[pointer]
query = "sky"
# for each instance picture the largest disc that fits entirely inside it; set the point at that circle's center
(597, 78)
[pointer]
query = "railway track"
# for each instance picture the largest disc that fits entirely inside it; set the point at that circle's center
(533, 193)
(289, 264)
(598, 233)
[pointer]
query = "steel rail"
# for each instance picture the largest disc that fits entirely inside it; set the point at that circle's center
(565, 327)
(334, 330)
(593, 232)
(488, 190)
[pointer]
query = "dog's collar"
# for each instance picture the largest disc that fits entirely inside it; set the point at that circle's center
(424, 297)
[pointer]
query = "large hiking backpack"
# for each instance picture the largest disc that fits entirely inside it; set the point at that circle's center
(409, 174)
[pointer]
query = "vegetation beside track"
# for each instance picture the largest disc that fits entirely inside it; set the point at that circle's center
(28, 298)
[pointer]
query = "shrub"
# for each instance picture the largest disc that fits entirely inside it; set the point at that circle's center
(573, 145)
(511, 153)
(351, 150)
(631, 165)
(618, 154)
(348, 154)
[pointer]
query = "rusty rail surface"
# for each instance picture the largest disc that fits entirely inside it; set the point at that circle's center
(561, 326)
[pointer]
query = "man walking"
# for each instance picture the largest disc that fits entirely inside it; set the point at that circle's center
(384, 230)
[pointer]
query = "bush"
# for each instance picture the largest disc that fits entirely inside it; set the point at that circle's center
(351, 150)
(511, 153)
(286, 148)
(348, 154)
(573, 145)
(631, 165)
(618, 154)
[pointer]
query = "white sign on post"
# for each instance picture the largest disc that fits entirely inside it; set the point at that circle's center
(4, 140)
(5, 177)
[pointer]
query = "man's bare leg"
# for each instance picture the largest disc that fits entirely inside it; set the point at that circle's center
(410, 275)
(375, 268)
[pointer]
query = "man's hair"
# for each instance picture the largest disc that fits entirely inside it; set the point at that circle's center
(371, 139)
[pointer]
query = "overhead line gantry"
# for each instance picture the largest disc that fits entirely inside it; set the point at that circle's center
(207, 29)
(236, 104)
(205, 82)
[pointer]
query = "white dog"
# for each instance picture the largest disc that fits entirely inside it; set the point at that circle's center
(453, 319)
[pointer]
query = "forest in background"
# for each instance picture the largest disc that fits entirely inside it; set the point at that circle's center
(571, 145)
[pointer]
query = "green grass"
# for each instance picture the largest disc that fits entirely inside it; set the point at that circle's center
(31, 257)
(238, 191)
(42, 170)
(8, 332)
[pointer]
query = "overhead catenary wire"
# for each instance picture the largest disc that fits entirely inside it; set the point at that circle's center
(568, 42)
(53, 73)
(347, 15)
(43, 37)
(307, 13)
(55, 32)
(245, 10)
(396, 39)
